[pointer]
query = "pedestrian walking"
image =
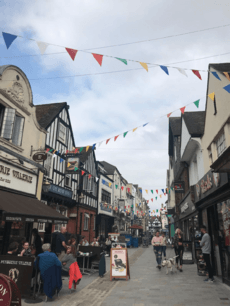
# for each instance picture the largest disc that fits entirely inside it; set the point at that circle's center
(164, 243)
(179, 248)
(157, 247)
(205, 244)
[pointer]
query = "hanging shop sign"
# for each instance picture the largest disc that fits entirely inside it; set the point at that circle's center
(40, 157)
(72, 163)
(187, 207)
(17, 179)
(210, 183)
(179, 187)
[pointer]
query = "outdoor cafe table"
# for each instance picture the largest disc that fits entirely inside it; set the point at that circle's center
(87, 268)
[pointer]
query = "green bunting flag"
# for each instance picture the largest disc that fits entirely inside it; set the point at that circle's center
(125, 134)
(51, 150)
(116, 186)
(81, 149)
(152, 191)
(75, 169)
(122, 60)
(156, 198)
(197, 103)
(169, 190)
(172, 188)
(156, 210)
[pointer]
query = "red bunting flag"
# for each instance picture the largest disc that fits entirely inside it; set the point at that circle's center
(169, 115)
(156, 190)
(115, 138)
(76, 150)
(152, 200)
(148, 201)
(197, 73)
(180, 185)
(72, 53)
(128, 189)
(108, 140)
(125, 206)
(98, 58)
(182, 109)
(122, 187)
(82, 172)
(47, 150)
(66, 151)
(175, 187)
(165, 193)
(90, 176)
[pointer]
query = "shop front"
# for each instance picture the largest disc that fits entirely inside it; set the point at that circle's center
(104, 220)
(212, 200)
(188, 220)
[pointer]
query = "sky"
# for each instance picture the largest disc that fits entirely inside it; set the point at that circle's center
(114, 98)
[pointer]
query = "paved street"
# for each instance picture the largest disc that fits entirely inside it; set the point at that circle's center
(147, 286)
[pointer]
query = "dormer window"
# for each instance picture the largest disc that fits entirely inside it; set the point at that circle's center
(62, 133)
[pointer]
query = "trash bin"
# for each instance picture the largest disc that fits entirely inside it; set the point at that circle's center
(135, 242)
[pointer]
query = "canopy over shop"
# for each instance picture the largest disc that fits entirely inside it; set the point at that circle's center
(18, 213)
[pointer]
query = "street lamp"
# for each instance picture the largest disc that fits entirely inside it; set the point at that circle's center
(46, 186)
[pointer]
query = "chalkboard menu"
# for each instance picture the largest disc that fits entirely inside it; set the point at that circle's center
(19, 269)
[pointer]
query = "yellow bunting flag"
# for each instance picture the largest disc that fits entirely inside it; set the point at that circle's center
(68, 165)
(146, 190)
(110, 184)
(145, 66)
(160, 195)
(227, 75)
(87, 148)
(134, 129)
(211, 96)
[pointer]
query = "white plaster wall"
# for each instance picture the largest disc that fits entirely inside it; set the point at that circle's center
(185, 136)
(196, 169)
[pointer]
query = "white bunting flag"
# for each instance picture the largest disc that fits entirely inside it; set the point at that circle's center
(42, 46)
(100, 143)
(182, 71)
(97, 179)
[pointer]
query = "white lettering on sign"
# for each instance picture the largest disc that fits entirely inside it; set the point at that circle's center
(184, 208)
(3, 290)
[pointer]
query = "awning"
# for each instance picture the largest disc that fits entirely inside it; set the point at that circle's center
(17, 207)
(135, 226)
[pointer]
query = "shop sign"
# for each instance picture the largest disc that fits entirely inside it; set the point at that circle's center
(187, 206)
(179, 187)
(17, 179)
(60, 190)
(72, 163)
(39, 157)
(104, 182)
(184, 208)
(209, 184)
(105, 208)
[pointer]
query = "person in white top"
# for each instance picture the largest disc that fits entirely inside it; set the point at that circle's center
(164, 243)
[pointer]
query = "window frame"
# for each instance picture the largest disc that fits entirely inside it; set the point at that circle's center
(69, 177)
(61, 125)
(86, 224)
(221, 144)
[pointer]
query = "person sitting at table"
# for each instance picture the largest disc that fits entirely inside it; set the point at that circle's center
(95, 242)
(26, 251)
(84, 242)
(68, 259)
(108, 243)
(50, 268)
(13, 248)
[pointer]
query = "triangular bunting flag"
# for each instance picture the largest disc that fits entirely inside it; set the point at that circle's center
(87, 148)
(227, 75)
(182, 71)
(76, 168)
(8, 38)
(172, 188)
(144, 65)
(182, 109)
(76, 150)
(47, 150)
(97, 179)
(165, 69)
(145, 124)
(50, 150)
(122, 60)
(110, 184)
(125, 134)
(156, 198)
(90, 176)
(100, 143)
(152, 200)
(42, 46)
(134, 129)
(165, 193)
(163, 190)
(197, 73)
(82, 172)
(116, 186)
(94, 145)
(146, 190)
(169, 191)
(211, 96)
(160, 195)
(169, 115)
(108, 140)
(227, 88)
(216, 75)
(122, 187)
(115, 138)
(152, 191)
(98, 58)
(81, 149)
(61, 160)
(72, 53)
(157, 191)
(197, 103)
(68, 165)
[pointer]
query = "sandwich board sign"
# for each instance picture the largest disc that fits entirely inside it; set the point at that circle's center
(119, 263)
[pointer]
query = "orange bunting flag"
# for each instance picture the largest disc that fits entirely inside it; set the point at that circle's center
(144, 65)
(98, 58)
(197, 73)
(152, 200)
(182, 109)
(87, 148)
(134, 129)
(169, 115)
(115, 138)
(227, 75)
(72, 53)
(108, 140)
(90, 176)
(82, 172)
(146, 190)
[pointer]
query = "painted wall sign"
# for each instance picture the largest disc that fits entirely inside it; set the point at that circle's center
(60, 190)
(17, 179)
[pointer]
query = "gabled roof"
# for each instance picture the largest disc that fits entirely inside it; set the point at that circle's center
(195, 122)
(109, 168)
(175, 124)
(47, 112)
